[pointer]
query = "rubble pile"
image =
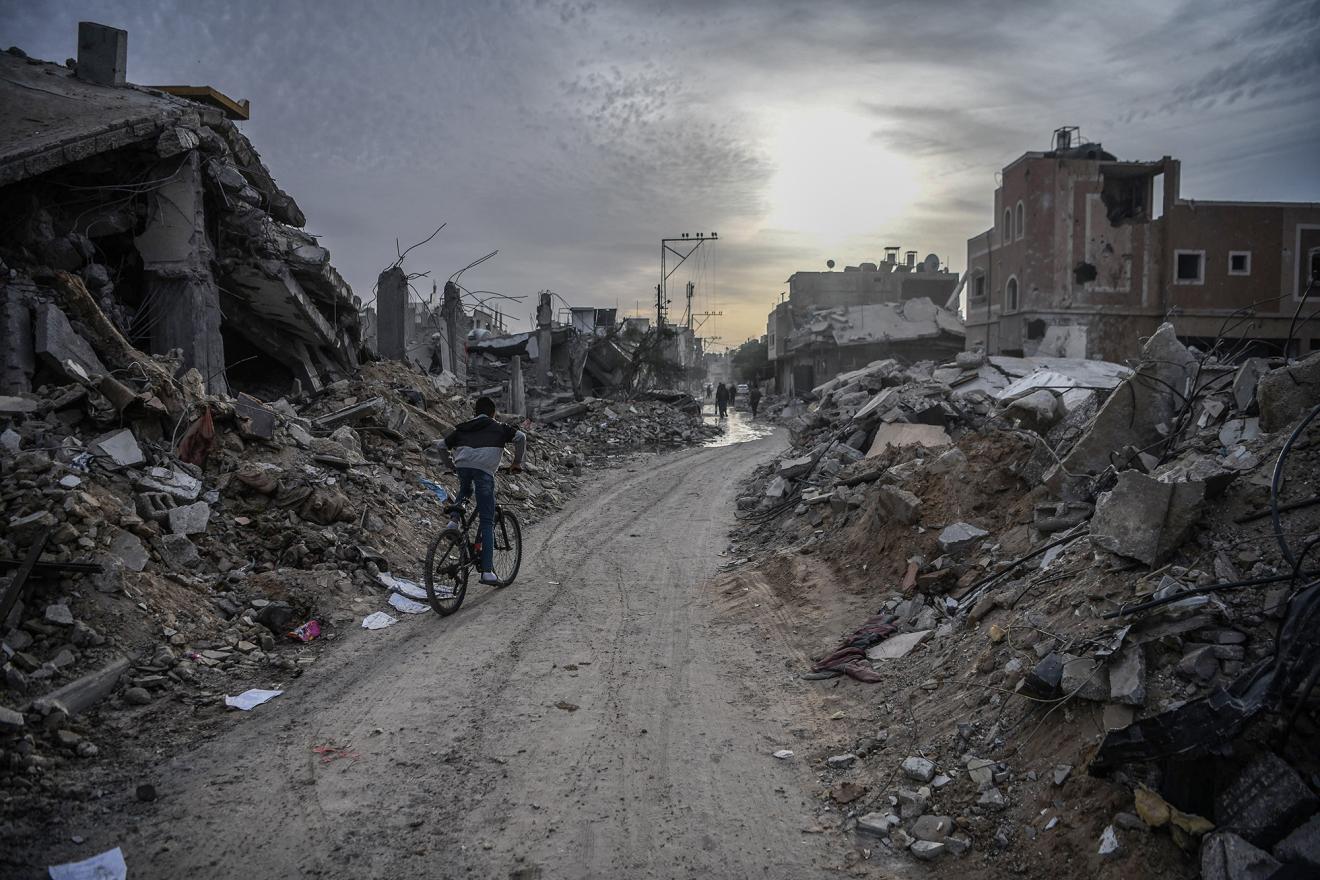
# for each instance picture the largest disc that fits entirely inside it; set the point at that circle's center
(1087, 592)
(185, 542)
(600, 428)
(164, 544)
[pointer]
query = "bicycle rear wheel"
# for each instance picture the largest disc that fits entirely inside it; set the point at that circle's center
(508, 547)
(447, 572)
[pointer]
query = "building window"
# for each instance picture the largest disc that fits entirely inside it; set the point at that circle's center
(1020, 228)
(1011, 295)
(1008, 226)
(1239, 262)
(978, 287)
(1189, 267)
(1315, 265)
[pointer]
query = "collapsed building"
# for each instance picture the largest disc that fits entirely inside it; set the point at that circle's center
(201, 483)
(835, 322)
(1090, 254)
(165, 211)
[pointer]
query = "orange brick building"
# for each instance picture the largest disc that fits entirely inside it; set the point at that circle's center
(1090, 254)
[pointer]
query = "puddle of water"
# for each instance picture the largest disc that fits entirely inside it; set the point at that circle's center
(738, 427)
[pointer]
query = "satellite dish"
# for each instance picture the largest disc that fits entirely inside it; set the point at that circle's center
(829, 264)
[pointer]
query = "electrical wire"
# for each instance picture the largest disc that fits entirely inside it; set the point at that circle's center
(1276, 481)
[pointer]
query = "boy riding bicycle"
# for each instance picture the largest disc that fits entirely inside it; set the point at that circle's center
(477, 446)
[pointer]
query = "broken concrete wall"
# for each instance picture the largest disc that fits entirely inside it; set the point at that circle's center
(456, 326)
(1138, 409)
(392, 314)
(176, 255)
(17, 358)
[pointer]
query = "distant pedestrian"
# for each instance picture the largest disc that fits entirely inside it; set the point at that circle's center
(733, 396)
(437, 356)
(755, 398)
(722, 400)
(708, 391)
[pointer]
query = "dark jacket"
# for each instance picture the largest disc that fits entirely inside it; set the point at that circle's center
(479, 443)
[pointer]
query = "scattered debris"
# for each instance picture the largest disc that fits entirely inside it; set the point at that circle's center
(378, 620)
(251, 699)
(109, 865)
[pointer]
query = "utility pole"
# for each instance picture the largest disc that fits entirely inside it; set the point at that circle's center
(662, 289)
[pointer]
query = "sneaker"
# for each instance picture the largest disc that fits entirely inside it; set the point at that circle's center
(453, 526)
(488, 577)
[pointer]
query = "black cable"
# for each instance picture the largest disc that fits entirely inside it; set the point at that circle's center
(989, 579)
(1292, 325)
(1125, 610)
(1277, 479)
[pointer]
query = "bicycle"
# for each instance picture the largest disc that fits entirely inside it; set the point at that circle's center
(454, 553)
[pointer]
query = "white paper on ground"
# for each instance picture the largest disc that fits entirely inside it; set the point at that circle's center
(401, 585)
(108, 865)
(402, 603)
(378, 620)
(251, 699)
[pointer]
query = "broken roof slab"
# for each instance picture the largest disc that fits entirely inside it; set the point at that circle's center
(880, 322)
(1008, 377)
(53, 119)
(271, 292)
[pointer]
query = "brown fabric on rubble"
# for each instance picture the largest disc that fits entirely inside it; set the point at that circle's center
(850, 657)
(324, 506)
(259, 480)
(199, 439)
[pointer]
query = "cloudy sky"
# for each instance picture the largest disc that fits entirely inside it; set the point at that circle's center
(573, 136)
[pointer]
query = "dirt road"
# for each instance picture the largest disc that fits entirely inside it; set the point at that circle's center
(591, 721)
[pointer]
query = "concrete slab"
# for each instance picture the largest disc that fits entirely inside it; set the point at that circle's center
(121, 447)
(897, 646)
(83, 693)
(899, 434)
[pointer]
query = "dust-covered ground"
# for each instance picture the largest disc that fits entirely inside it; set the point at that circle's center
(599, 718)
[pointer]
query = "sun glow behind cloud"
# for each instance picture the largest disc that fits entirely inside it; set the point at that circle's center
(833, 181)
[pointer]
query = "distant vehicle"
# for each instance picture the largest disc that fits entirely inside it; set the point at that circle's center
(742, 389)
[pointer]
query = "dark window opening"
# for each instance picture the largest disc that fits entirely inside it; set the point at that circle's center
(1239, 263)
(978, 287)
(1084, 272)
(1315, 265)
(1125, 199)
(1188, 266)
(1036, 329)
(1011, 296)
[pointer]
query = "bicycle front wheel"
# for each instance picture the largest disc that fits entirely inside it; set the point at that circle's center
(508, 547)
(447, 572)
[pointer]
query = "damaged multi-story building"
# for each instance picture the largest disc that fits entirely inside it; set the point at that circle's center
(159, 204)
(833, 322)
(1090, 254)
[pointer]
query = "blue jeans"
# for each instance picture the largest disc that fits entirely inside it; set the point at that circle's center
(484, 484)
